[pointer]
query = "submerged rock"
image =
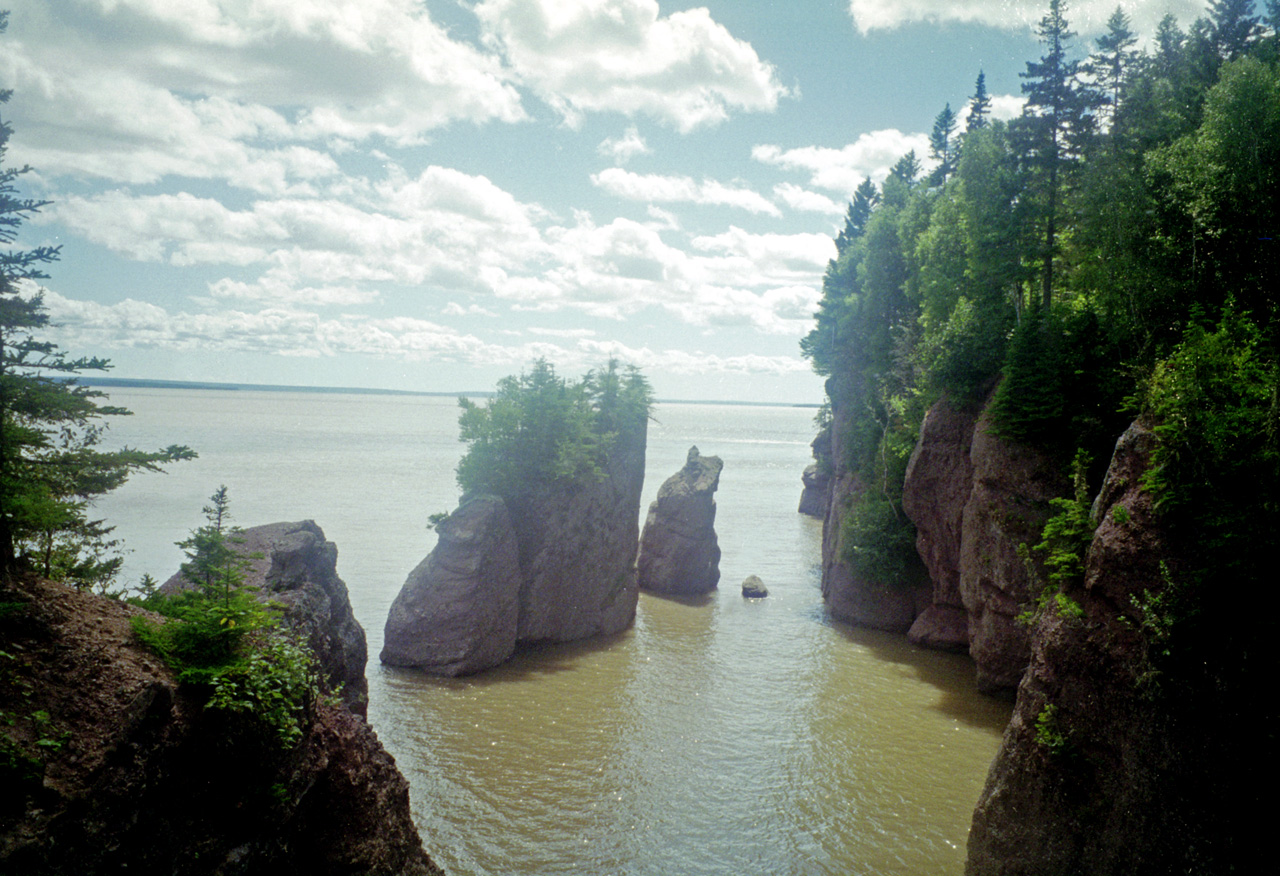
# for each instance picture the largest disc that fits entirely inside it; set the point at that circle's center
(753, 588)
(679, 553)
(459, 610)
(293, 565)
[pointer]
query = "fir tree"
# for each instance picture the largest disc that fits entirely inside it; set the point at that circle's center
(979, 104)
(865, 198)
(1231, 27)
(1109, 66)
(943, 146)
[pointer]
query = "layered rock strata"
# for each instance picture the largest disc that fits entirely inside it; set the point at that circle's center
(124, 771)
(679, 552)
(293, 565)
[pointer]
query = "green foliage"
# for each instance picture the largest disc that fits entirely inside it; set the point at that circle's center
(539, 429)
(51, 465)
(1066, 536)
(223, 641)
(879, 542)
(1049, 732)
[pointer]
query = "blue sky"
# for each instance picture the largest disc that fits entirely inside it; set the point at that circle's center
(428, 195)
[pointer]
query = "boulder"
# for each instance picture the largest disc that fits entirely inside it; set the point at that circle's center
(679, 553)
(293, 565)
(935, 492)
(459, 610)
(753, 588)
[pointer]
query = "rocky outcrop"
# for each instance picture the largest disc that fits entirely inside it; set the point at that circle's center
(116, 768)
(817, 477)
(578, 544)
(1109, 765)
(938, 483)
(848, 597)
(293, 565)
(459, 610)
(555, 565)
(1007, 507)
(679, 553)
(753, 588)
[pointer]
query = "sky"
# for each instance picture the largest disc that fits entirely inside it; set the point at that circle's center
(430, 194)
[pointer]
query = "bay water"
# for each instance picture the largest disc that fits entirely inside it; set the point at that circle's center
(720, 736)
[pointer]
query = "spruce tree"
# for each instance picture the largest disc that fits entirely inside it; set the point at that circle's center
(979, 104)
(51, 467)
(865, 198)
(1111, 63)
(1232, 28)
(943, 146)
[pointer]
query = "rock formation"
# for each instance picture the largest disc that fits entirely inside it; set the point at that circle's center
(135, 776)
(679, 553)
(817, 477)
(459, 610)
(578, 545)
(555, 565)
(1007, 508)
(1109, 766)
(937, 487)
(753, 588)
(292, 564)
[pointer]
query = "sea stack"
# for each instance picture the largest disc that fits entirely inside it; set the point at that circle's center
(679, 553)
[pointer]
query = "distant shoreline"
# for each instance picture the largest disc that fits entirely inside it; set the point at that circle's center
(146, 383)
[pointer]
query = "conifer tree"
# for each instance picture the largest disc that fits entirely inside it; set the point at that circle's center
(865, 198)
(51, 467)
(1231, 27)
(1055, 127)
(943, 146)
(907, 168)
(979, 104)
(1110, 64)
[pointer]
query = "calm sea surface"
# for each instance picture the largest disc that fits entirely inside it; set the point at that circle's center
(724, 737)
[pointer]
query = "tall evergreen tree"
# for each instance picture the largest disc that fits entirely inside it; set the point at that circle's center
(1232, 27)
(1110, 64)
(1056, 124)
(865, 198)
(943, 146)
(980, 104)
(50, 426)
(907, 168)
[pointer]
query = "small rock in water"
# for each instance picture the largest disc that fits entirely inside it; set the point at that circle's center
(753, 588)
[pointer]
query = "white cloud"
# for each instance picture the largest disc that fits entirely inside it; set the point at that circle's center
(657, 188)
(623, 149)
(1007, 106)
(801, 199)
(135, 90)
(623, 56)
(1086, 16)
(842, 170)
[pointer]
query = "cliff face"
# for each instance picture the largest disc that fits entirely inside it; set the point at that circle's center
(292, 564)
(679, 553)
(578, 545)
(850, 598)
(113, 768)
(1007, 507)
(1105, 767)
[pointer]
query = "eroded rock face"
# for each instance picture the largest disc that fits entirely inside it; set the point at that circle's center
(817, 477)
(459, 610)
(1103, 769)
(147, 781)
(936, 490)
(679, 552)
(578, 547)
(1007, 507)
(294, 565)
